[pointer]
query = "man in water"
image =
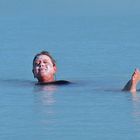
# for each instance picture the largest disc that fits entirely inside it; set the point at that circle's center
(44, 69)
(132, 83)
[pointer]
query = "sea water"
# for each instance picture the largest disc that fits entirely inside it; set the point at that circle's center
(97, 54)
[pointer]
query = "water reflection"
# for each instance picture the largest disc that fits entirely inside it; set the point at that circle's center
(46, 93)
(45, 101)
(136, 106)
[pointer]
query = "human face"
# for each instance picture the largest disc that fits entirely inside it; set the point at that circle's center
(44, 69)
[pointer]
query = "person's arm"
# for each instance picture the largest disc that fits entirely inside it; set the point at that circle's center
(127, 86)
(132, 83)
(130, 86)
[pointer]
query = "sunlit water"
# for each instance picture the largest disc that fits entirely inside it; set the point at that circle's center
(97, 54)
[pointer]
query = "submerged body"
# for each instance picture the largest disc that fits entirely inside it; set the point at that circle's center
(58, 82)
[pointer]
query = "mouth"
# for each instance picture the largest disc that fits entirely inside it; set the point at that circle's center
(42, 70)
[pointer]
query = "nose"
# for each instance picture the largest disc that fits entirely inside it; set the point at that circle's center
(42, 64)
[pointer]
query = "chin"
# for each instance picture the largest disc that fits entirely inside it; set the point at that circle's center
(43, 75)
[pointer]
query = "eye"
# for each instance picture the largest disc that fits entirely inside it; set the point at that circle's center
(45, 62)
(37, 63)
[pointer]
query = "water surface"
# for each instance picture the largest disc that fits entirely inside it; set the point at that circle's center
(98, 54)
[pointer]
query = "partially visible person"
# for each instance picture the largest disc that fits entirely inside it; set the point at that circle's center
(132, 83)
(44, 69)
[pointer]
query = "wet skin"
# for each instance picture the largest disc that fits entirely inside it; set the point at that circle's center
(43, 69)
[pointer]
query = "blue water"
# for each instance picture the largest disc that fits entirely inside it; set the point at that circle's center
(97, 53)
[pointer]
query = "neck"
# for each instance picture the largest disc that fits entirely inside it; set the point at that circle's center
(46, 79)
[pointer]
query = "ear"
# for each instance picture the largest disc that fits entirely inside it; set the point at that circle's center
(55, 68)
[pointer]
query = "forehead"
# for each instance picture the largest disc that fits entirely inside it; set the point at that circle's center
(42, 57)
